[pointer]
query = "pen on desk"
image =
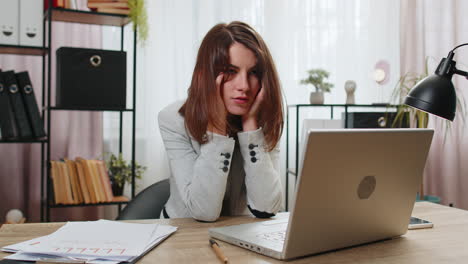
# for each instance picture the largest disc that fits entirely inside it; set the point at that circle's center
(60, 261)
(218, 251)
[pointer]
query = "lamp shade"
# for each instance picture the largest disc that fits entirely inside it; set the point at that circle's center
(434, 94)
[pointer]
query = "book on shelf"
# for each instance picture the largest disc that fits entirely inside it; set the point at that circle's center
(101, 165)
(97, 183)
(88, 179)
(68, 4)
(81, 181)
(107, 5)
(120, 11)
(54, 174)
(74, 182)
(66, 183)
(114, 7)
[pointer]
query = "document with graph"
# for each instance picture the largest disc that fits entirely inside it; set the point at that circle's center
(98, 241)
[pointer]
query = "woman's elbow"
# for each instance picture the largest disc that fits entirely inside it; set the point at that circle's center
(205, 218)
(204, 215)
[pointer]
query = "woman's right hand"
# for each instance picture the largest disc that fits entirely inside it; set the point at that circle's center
(218, 125)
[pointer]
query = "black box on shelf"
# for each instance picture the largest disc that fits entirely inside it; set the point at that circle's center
(91, 79)
(370, 120)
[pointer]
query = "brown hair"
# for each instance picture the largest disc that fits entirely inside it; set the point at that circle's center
(213, 58)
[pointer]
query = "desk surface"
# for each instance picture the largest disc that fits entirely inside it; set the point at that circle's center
(445, 243)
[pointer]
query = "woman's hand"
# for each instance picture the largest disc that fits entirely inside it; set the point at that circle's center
(249, 120)
(218, 125)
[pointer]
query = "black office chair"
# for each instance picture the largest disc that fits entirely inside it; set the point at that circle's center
(148, 204)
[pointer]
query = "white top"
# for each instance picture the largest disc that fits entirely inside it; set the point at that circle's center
(220, 177)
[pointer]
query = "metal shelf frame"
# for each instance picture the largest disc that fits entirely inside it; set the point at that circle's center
(82, 17)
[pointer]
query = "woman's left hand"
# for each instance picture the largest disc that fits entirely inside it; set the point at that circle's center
(249, 120)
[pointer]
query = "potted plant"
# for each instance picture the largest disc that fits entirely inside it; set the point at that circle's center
(318, 78)
(120, 172)
(139, 19)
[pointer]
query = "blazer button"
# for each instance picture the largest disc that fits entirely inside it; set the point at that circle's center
(251, 146)
(253, 159)
(227, 155)
(225, 169)
(252, 153)
(226, 162)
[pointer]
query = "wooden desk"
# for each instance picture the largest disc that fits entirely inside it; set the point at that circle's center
(447, 242)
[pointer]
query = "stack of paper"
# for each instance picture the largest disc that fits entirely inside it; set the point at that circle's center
(101, 241)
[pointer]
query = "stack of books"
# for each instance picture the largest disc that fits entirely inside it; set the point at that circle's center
(69, 4)
(109, 6)
(81, 181)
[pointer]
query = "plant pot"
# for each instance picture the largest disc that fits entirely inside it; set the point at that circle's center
(316, 98)
(116, 189)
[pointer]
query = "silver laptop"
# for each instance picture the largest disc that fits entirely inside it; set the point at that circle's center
(356, 186)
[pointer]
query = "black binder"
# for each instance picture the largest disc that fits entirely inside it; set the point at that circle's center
(32, 110)
(17, 104)
(7, 119)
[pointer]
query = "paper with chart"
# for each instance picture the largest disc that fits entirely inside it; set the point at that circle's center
(99, 240)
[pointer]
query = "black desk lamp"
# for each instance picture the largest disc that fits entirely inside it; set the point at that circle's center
(435, 94)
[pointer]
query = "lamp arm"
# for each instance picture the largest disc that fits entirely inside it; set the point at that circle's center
(455, 70)
(460, 72)
(464, 44)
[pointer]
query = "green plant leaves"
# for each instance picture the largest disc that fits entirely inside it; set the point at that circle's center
(121, 170)
(317, 77)
(139, 18)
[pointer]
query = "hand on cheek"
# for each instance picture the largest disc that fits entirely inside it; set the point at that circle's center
(218, 126)
(249, 120)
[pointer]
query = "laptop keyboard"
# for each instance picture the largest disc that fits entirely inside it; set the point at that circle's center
(277, 236)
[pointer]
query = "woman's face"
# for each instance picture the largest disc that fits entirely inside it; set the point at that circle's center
(242, 83)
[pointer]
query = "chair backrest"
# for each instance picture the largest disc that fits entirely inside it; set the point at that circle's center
(148, 204)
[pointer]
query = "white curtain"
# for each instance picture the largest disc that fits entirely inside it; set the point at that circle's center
(345, 37)
(430, 29)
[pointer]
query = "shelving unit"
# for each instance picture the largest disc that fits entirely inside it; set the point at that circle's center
(82, 17)
(22, 50)
(296, 110)
(27, 51)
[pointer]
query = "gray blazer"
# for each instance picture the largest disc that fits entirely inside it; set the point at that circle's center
(220, 177)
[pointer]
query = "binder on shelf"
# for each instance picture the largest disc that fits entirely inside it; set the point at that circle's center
(17, 104)
(30, 103)
(7, 119)
(30, 23)
(9, 22)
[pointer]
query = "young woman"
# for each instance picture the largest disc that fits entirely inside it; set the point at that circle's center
(222, 142)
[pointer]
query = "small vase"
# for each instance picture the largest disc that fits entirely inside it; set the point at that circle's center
(350, 88)
(316, 98)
